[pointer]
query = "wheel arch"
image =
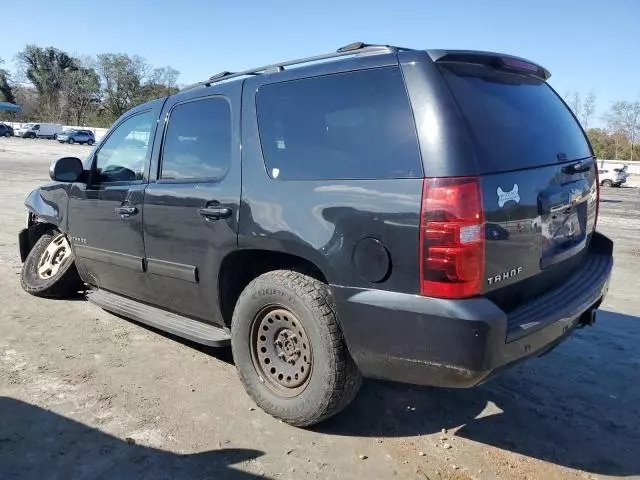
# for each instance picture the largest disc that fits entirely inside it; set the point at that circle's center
(36, 228)
(240, 267)
(47, 207)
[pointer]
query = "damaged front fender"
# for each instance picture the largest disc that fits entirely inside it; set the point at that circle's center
(47, 207)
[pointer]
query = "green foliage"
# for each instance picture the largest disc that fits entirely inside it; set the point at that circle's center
(611, 146)
(46, 68)
(85, 91)
(6, 92)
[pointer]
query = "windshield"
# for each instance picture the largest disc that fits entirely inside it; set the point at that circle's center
(516, 121)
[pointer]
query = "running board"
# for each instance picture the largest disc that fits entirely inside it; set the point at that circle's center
(193, 330)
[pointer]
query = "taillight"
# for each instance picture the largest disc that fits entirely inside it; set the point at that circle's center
(451, 237)
(595, 221)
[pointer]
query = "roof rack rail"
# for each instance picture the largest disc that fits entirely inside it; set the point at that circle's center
(351, 49)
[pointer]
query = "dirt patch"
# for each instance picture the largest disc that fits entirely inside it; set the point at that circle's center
(86, 394)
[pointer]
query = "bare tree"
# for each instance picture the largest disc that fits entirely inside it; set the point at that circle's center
(573, 100)
(166, 76)
(588, 108)
(624, 117)
(81, 91)
(122, 79)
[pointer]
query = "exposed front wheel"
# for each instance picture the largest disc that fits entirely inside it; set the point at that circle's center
(49, 270)
(607, 183)
(89, 142)
(289, 350)
(71, 141)
(7, 134)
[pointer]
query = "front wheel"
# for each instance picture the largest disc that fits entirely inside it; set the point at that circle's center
(607, 183)
(71, 141)
(49, 270)
(289, 350)
(55, 136)
(7, 134)
(89, 142)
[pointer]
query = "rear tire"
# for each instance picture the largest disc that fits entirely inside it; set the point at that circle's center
(289, 350)
(607, 183)
(49, 270)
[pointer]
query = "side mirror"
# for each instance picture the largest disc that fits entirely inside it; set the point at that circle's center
(66, 169)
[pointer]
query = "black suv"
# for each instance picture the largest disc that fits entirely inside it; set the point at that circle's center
(6, 130)
(420, 216)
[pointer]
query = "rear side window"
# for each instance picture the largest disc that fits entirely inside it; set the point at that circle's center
(353, 125)
(517, 121)
(198, 140)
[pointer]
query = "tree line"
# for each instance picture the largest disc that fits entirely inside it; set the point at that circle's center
(53, 86)
(619, 138)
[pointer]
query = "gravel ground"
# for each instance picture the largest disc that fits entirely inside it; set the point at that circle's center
(85, 394)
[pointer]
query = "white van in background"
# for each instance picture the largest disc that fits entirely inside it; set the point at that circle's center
(39, 130)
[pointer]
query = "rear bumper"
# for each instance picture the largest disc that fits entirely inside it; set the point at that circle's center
(460, 343)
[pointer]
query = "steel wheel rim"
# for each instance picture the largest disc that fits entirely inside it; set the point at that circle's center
(281, 351)
(54, 256)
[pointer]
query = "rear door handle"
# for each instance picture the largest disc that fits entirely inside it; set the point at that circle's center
(579, 167)
(215, 213)
(126, 212)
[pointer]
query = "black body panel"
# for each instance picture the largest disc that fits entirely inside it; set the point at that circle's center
(49, 204)
(459, 343)
(108, 242)
(185, 249)
(109, 249)
(322, 221)
(447, 150)
(531, 234)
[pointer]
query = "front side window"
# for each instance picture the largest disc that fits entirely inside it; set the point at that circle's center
(123, 156)
(352, 125)
(197, 144)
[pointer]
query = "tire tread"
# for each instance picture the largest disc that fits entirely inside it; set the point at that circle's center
(344, 378)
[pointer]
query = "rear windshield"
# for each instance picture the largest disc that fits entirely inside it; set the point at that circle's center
(517, 121)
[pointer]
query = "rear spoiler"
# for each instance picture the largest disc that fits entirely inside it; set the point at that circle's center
(495, 60)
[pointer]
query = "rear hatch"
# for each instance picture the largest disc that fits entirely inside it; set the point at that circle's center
(538, 176)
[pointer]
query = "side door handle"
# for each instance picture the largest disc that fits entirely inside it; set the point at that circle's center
(215, 213)
(126, 212)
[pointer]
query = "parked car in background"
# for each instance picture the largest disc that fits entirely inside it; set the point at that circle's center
(39, 130)
(613, 176)
(6, 130)
(77, 136)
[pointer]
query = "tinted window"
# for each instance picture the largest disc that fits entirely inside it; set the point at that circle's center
(351, 125)
(517, 121)
(198, 140)
(124, 154)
